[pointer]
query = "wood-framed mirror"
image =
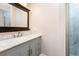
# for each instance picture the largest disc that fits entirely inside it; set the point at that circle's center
(13, 17)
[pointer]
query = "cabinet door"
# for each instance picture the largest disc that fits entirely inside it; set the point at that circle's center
(38, 46)
(32, 48)
(21, 50)
(2, 54)
(35, 46)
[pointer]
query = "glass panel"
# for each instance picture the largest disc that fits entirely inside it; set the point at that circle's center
(74, 29)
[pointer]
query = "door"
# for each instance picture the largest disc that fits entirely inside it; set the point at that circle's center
(74, 29)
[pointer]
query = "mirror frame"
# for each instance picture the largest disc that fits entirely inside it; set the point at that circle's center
(13, 29)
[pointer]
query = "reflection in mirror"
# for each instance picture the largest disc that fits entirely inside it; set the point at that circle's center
(11, 16)
(5, 15)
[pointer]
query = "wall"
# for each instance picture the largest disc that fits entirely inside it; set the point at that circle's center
(49, 19)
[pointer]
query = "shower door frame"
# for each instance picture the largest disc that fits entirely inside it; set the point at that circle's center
(67, 50)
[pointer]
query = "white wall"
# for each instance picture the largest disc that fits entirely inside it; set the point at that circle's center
(49, 19)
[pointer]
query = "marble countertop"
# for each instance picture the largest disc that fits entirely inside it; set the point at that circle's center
(9, 43)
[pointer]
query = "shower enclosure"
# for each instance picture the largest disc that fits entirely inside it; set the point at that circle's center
(73, 36)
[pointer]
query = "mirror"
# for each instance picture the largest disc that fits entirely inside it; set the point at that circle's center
(14, 15)
(11, 16)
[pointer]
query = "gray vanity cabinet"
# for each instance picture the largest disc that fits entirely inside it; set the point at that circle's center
(30, 48)
(35, 47)
(20, 50)
(38, 46)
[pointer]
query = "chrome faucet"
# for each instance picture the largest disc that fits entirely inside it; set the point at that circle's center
(19, 34)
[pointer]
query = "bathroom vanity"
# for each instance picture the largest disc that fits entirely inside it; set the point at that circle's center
(15, 17)
(29, 45)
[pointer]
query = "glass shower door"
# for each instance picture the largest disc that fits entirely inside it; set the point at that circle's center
(74, 29)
